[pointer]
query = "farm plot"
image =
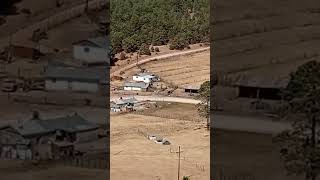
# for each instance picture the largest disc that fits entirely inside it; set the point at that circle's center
(129, 145)
(184, 70)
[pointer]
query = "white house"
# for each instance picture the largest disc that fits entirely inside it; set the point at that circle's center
(92, 51)
(144, 77)
(135, 86)
(59, 78)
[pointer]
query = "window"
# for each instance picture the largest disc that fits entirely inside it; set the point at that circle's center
(86, 49)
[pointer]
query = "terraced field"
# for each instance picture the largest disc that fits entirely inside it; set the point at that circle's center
(268, 33)
(184, 70)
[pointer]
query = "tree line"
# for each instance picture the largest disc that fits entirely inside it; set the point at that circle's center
(136, 24)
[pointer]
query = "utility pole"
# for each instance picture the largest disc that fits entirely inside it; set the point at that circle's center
(179, 165)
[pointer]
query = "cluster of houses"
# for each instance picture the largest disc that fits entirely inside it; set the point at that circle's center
(124, 104)
(141, 82)
(45, 139)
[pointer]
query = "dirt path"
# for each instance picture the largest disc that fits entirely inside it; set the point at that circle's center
(161, 99)
(165, 56)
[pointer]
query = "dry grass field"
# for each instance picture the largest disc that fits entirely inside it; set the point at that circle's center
(180, 71)
(134, 156)
(268, 34)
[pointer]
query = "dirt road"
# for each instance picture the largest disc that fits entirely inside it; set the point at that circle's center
(161, 99)
(165, 56)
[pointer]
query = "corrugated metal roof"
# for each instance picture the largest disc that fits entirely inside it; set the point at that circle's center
(136, 84)
(76, 74)
(131, 100)
(73, 123)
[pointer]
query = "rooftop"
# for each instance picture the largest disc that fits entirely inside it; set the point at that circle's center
(101, 42)
(76, 74)
(74, 123)
(131, 100)
(136, 84)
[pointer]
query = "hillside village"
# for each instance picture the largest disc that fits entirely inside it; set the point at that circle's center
(61, 80)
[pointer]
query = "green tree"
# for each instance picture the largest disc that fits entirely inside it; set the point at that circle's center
(185, 178)
(135, 22)
(204, 106)
(300, 150)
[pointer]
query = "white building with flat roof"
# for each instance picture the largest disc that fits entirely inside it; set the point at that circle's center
(145, 77)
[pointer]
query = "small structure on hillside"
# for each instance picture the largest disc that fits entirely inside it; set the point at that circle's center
(124, 104)
(192, 88)
(93, 51)
(158, 139)
(136, 86)
(45, 138)
(145, 77)
(60, 78)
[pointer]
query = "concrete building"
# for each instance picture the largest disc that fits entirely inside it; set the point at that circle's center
(59, 78)
(145, 77)
(93, 51)
(45, 139)
(136, 86)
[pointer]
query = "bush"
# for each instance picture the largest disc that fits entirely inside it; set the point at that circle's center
(185, 178)
(152, 49)
(157, 49)
(123, 56)
(144, 50)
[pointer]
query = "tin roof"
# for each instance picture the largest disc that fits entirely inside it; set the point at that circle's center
(131, 100)
(76, 74)
(74, 123)
(136, 84)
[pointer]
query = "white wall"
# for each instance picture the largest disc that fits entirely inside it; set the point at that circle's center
(83, 86)
(58, 85)
(94, 55)
(73, 85)
(132, 88)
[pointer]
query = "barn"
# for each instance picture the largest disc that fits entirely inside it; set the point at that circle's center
(93, 51)
(91, 80)
(45, 138)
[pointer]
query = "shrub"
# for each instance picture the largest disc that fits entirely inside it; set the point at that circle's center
(157, 49)
(144, 50)
(123, 56)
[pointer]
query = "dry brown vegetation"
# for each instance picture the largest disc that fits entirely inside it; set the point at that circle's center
(134, 156)
(180, 71)
(264, 37)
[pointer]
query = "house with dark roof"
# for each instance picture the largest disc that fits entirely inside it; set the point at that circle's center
(63, 78)
(136, 86)
(45, 138)
(92, 51)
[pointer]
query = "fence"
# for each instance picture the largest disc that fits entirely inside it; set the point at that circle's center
(83, 162)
